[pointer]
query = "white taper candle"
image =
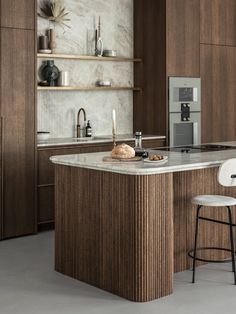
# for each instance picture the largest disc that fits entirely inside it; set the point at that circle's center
(114, 121)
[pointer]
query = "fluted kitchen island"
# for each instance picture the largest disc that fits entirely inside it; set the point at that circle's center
(127, 227)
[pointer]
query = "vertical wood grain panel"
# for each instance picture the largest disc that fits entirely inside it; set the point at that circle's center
(18, 14)
(18, 131)
(115, 231)
(167, 38)
(150, 112)
(218, 73)
(183, 37)
(218, 22)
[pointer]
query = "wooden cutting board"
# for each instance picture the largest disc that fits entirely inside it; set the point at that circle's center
(110, 159)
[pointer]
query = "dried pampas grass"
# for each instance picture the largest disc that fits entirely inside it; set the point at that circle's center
(55, 12)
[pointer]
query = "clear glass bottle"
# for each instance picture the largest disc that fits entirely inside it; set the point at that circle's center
(138, 140)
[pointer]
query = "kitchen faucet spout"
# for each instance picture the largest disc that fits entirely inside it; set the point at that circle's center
(80, 131)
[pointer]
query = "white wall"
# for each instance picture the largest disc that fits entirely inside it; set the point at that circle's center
(57, 110)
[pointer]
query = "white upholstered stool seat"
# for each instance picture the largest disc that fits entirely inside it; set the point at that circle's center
(214, 200)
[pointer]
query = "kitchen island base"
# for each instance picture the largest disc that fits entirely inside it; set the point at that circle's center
(127, 234)
(115, 231)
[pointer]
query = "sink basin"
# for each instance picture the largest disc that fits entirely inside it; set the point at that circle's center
(87, 139)
(83, 139)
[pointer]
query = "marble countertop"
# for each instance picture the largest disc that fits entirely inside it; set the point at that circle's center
(176, 162)
(96, 140)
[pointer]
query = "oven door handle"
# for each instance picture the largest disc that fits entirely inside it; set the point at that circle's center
(195, 134)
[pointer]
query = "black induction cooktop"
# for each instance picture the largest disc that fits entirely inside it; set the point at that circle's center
(191, 149)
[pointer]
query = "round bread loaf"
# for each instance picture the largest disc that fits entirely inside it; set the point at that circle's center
(123, 151)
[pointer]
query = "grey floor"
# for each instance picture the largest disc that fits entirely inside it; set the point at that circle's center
(29, 285)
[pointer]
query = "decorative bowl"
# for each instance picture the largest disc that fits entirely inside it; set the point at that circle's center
(43, 136)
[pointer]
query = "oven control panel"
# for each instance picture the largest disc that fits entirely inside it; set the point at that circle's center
(184, 91)
(185, 112)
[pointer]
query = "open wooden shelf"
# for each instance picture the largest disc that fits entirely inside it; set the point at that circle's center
(87, 89)
(86, 58)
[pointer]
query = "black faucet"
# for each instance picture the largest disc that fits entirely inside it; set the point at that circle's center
(79, 129)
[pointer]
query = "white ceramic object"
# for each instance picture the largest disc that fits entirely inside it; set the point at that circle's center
(43, 136)
(102, 83)
(109, 53)
(165, 158)
(64, 78)
(48, 51)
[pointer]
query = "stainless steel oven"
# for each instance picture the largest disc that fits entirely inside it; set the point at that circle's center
(184, 111)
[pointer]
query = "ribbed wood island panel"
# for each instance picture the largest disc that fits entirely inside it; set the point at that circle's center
(115, 231)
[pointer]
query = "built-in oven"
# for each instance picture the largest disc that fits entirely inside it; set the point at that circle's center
(184, 111)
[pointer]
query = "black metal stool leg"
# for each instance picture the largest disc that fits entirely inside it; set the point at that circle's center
(195, 243)
(232, 243)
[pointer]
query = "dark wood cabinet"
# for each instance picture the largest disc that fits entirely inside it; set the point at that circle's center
(195, 38)
(18, 13)
(218, 22)
(45, 205)
(46, 172)
(167, 38)
(218, 73)
(17, 89)
(218, 69)
(149, 113)
(183, 37)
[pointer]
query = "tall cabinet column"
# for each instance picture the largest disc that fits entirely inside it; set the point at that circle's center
(17, 100)
(167, 39)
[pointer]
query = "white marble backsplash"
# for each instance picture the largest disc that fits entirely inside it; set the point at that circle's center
(57, 111)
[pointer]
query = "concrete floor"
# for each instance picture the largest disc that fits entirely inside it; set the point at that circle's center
(29, 285)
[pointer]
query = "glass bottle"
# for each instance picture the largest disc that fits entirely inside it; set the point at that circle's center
(138, 140)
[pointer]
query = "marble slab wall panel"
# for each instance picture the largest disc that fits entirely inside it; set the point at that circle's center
(57, 110)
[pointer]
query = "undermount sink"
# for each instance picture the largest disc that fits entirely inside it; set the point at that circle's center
(83, 139)
(86, 139)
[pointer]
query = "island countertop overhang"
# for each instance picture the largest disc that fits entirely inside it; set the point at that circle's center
(176, 162)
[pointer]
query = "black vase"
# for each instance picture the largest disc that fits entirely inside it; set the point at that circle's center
(50, 73)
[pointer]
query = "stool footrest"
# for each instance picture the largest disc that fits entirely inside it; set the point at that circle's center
(190, 254)
(217, 221)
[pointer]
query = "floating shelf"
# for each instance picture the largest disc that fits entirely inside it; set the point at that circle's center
(86, 58)
(87, 89)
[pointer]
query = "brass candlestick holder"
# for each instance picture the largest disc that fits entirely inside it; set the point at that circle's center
(114, 138)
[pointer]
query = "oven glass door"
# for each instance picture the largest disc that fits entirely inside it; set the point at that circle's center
(185, 133)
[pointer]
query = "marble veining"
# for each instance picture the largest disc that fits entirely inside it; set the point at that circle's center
(57, 110)
(176, 162)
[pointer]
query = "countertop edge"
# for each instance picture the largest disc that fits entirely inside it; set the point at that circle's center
(102, 141)
(144, 172)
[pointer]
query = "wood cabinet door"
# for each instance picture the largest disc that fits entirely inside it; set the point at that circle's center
(218, 22)
(149, 111)
(18, 13)
(183, 37)
(18, 131)
(218, 73)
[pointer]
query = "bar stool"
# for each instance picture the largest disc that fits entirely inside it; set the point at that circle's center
(227, 178)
